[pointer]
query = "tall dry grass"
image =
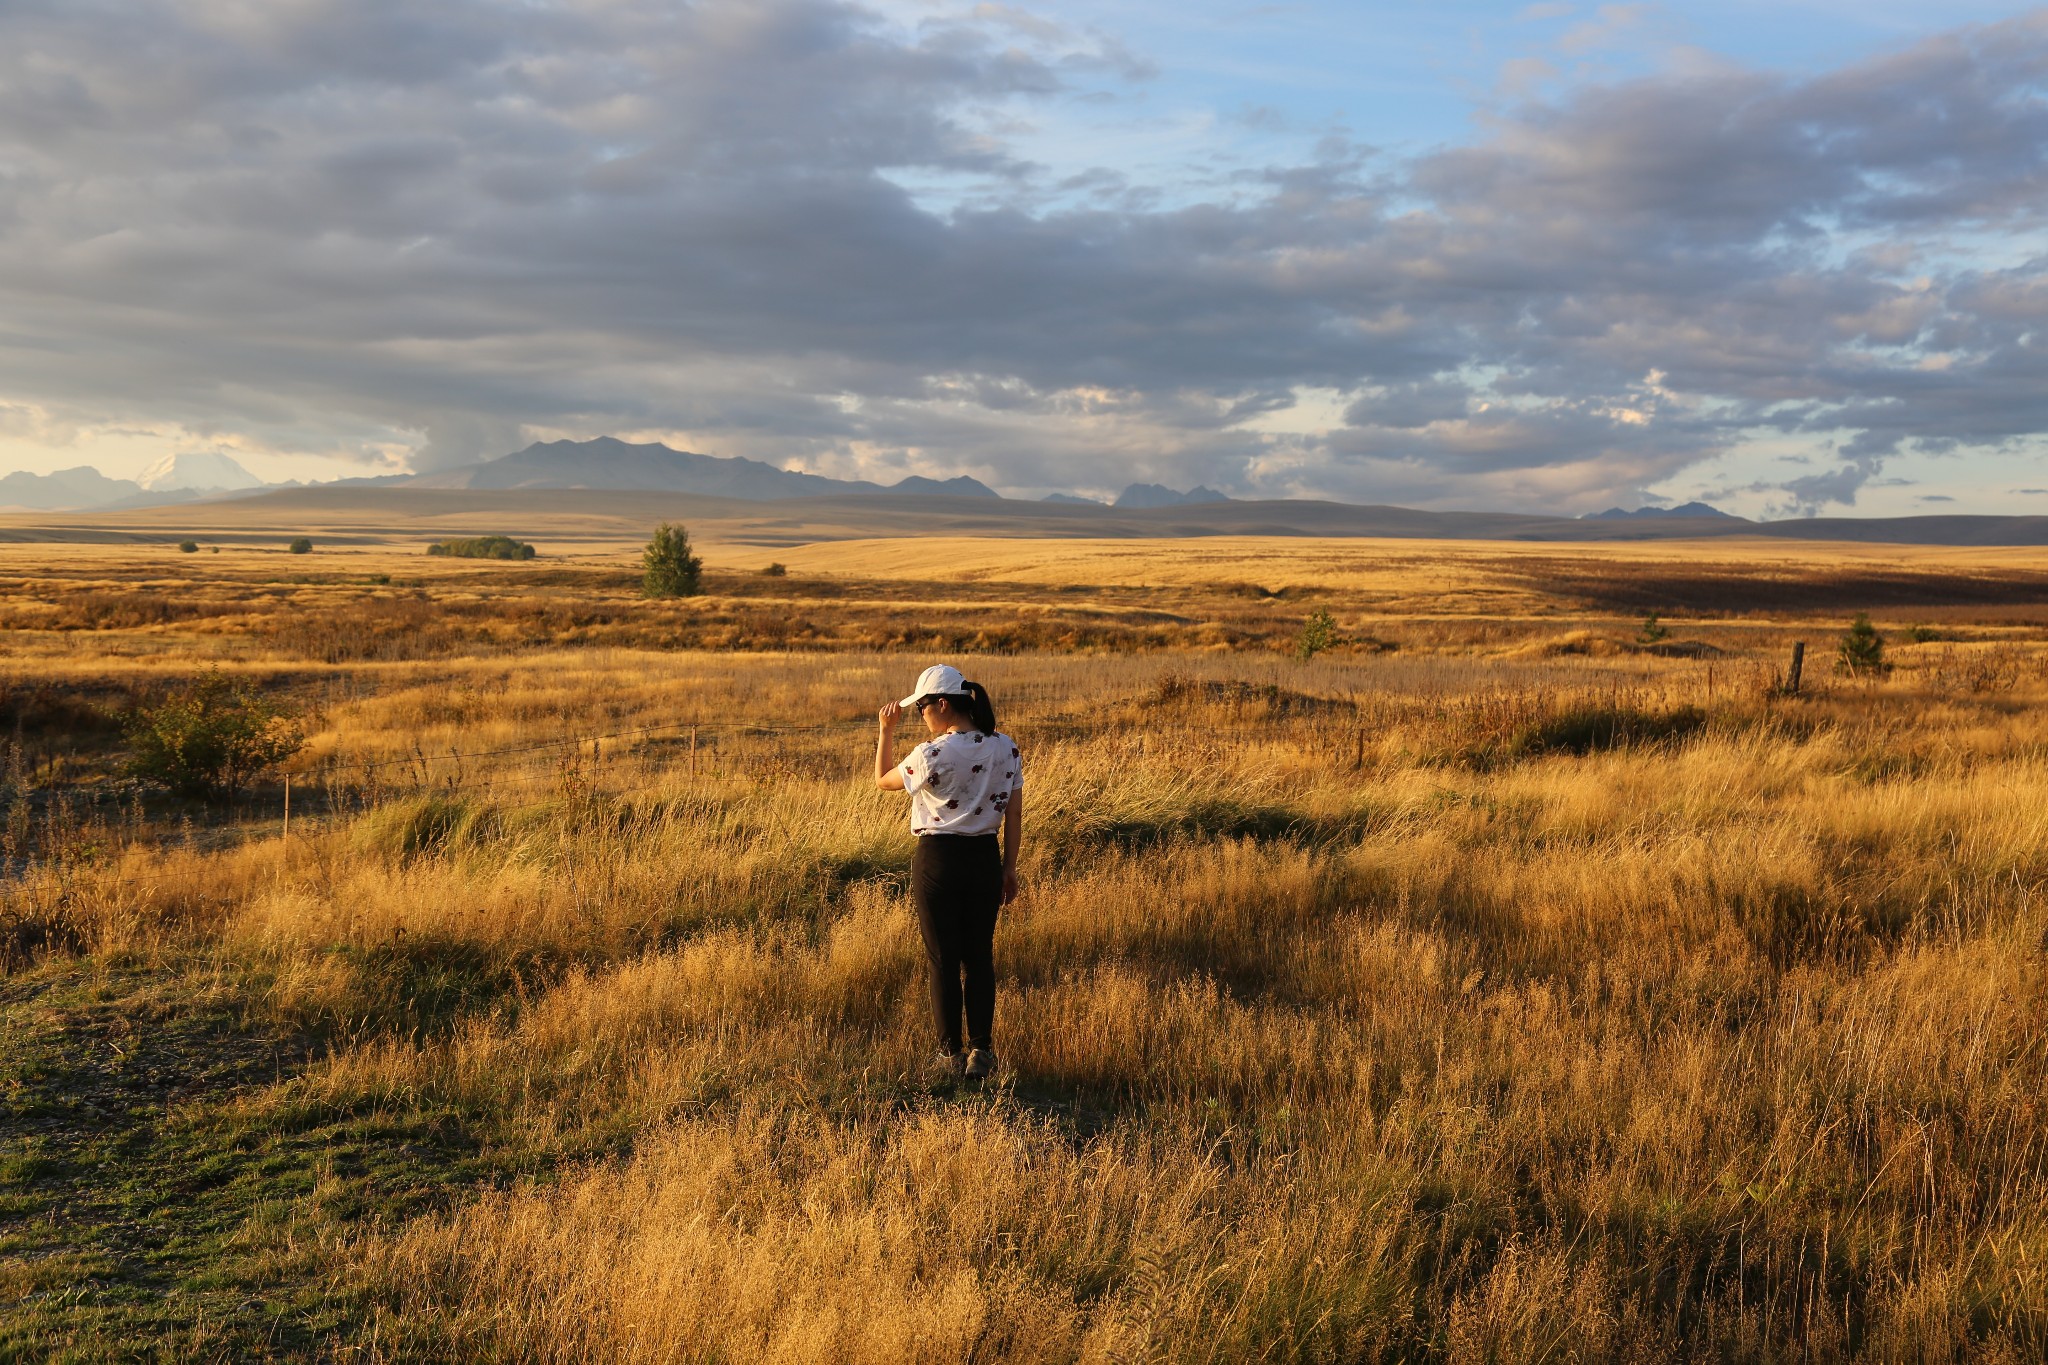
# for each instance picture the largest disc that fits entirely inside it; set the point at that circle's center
(1402, 1006)
(1722, 1048)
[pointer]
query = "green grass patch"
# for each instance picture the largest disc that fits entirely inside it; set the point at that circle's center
(158, 1203)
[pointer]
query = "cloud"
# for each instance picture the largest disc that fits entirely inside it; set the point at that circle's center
(1609, 24)
(459, 438)
(325, 227)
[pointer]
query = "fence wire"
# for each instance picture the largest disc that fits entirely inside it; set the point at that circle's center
(334, 771)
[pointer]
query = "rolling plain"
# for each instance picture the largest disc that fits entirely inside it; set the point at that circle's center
(1516, 979)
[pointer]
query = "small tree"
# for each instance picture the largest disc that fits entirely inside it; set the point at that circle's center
(1653, 630)
(1861, 649)
(670, 569)
(211, 739)
(1318, 633)
(301, 546)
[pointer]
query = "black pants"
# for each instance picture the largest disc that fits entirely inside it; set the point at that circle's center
(957, 882)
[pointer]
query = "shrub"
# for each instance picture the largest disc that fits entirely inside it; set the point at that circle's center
(670, 570)
(775, 571)
(483, 547)
(301, 546)
(188, 547)
(1653, 630)
(1318, 633)
(211, 739)
(1921, 635)
(1979, 670)
(1861, 649)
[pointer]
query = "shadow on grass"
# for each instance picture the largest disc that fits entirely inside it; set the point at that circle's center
(1083, 834)
(422, 988)
(1579, 730)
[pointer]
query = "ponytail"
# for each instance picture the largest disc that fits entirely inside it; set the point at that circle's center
(979, 709)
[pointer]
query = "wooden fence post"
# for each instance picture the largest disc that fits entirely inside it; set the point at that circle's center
(287, 814)
(1798, 662)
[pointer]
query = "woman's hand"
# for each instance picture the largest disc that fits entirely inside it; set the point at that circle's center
(1009, 885)
(887, 717)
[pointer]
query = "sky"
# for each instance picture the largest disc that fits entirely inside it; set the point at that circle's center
(1546, 257)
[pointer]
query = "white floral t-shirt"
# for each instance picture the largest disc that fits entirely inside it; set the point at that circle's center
(961, 782)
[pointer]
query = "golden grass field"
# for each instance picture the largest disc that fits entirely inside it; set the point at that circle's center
(1491, 987)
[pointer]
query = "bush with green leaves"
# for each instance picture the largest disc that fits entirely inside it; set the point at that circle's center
(188, 547)
(1318, 633)
(776, 570)
(301, 546)
(483, 547)
(1653, 630)
(211, 739)
(1861, 650)
(669, 569)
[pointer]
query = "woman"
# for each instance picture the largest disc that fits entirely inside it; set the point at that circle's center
(965, 782)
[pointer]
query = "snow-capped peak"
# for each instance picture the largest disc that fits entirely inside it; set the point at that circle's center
(198, 470)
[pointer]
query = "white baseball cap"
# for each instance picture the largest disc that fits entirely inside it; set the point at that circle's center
(940, 680)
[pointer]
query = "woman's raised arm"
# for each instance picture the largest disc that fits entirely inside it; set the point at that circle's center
(886, 776)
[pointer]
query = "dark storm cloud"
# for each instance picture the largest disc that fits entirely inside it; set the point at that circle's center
(320, 223)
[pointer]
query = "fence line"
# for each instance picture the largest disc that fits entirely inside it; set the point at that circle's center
(696, 727)
(343, 768)
(250, 839)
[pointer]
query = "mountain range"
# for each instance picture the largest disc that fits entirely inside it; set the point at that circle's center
(1684, 509)
(603, 464)
(598, 486)
(174, 478)
(609, 463)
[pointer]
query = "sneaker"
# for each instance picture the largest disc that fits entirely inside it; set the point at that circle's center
(947, 1066)
(981, 1063)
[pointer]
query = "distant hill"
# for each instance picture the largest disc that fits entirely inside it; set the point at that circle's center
(1144, 495)
(1684, 509)
(1071, 500)
(66, 490)
(362, 481)
(609, 463)
(958, 487)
